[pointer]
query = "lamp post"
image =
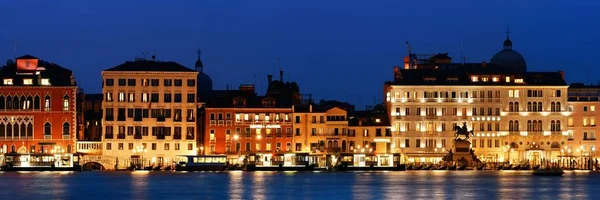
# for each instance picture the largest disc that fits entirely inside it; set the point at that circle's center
(201, 150)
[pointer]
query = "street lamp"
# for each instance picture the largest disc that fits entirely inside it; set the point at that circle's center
(202, 150)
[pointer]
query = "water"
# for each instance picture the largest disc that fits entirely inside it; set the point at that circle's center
(298, 185)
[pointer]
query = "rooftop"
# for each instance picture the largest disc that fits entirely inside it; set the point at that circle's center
(151, 65)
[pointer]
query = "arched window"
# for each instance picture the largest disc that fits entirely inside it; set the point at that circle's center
(510, 106)
(510, 125)
(351, 145)
(516, 106)
(13, 148)
(2, 102)
(66, 103)
(47, 128)
(553, 107)
(335, 143)
(36, 102)
(558, 128)
(15, 130)
(15, 103)
(66, 128)
(534, 107)
(23, 103)
(29, 103)
(516, 125)
(9, 130)
(539, 127)
(343, 145)
(552, 125)
(534, 127)
(23, 132)
(30, 130)
(558, 107)
(68, 148)
(540, 107)
(9, 102)
(529, 106)
(2, 131)
(528, 125)
(47, 105)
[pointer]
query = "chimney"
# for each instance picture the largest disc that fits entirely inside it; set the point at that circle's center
(483, 64)
(281, 75)
(269, 78)
(562, 74)
(396, 72)
(310, 108)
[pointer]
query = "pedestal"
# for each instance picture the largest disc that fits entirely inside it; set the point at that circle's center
(462, 152)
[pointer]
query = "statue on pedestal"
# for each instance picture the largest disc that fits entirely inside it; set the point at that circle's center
(462, 131)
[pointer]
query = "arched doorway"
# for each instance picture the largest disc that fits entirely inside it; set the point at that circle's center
(22, 150)
(343, 145)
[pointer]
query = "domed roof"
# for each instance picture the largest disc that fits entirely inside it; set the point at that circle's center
(509, 58)
(204, 82)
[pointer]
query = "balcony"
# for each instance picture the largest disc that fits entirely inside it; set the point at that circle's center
(189, 137)
(89, 147)
(137, 118)
(47, 137)
(121, 136)
(109, 136)
(177, 137)
(228, 122)
(137, 136)
(289, 134)
(220, 122)
(121, 118)
(213, 122)
(160, 119)
(109, 118)
(66, 137)
(160, 137)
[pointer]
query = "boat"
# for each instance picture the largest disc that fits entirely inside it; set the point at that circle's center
(202, 163)
(548, 172)
(38, 162)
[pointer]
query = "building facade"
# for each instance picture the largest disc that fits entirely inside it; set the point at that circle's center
(515, 115)
(92, 117)
(37, 107)
(149, 111)
(581, 141)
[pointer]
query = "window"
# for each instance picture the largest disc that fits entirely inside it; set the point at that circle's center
(154, 98)
(145, 97)
(66, 128)
(167, 98)
(507, 79)
(66, 103)
(178, 82)
(122, 82)
(109, 82)
(120, 146)
(177, 98)
(418, 143)
(45, 81)
(190, 147)
(191, 82)
(191, 98)
(131, 97)
(166, 146)
(153, 146)
(47, 128)
(145, 82)
(27, 81)
(154, 82)
(131, 82)
(592, 108)
(109, 97)
(519, 80)
(474, 78)
(168, 82)
(121, 97)
(108, 146)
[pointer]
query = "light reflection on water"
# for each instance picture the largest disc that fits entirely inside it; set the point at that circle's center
(298, 185)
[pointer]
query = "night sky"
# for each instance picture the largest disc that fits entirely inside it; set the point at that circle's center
(340, 49)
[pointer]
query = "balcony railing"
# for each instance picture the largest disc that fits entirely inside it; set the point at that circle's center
(189, 137)
(109, 118)
(66, 137)
(121, 118)
(109, 136)
(89, 147)
(177, 137)
(160, 137)
(137, 136)
(47, 137)
(121, 136)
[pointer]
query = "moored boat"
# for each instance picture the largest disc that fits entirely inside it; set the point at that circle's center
(202, 163)
(548, 172)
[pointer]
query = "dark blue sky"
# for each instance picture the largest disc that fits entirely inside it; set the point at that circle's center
(340, 49)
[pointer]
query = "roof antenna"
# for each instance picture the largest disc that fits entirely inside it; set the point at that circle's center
(145, 54)
(462, 53)
(280, 70)
(154, 56)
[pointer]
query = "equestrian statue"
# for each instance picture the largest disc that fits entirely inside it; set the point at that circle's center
(462, 131)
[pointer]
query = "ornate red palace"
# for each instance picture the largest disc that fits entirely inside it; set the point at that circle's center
(37, 107)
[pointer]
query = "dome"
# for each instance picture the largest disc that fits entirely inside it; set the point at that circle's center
(204, 82)
(509, 58)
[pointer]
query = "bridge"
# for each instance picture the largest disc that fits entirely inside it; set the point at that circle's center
(91, 156)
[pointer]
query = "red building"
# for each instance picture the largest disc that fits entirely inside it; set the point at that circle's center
(37, 107)
(240, 122)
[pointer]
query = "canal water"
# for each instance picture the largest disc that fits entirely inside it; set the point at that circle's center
(298, 185)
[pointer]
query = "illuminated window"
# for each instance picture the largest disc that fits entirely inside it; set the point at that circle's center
(592, 108)
(121, 96)
(27, 81)
(256, 117)
(8, 81)
(45, 81)
(484, 79)
(109, 97)
(516, 93)
(131, 97)
(47, 103)
(519, 80)
(377, 120)
(145, 97)
(474, 78)
(508, 79)
(66, 103)
(511, 93)
(246, 117)
(495, 79)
